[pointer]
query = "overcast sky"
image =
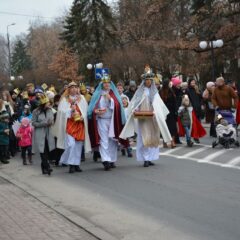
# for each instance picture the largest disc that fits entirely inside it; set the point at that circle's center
(44, 8)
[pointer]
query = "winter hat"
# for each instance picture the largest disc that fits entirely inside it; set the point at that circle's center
(38, 90)
(210, 85)
(25, 122)
(184, 85)
(132, 83)
(50, 94)
(176, 81)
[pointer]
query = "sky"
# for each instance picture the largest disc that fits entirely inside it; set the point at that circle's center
(49, 9)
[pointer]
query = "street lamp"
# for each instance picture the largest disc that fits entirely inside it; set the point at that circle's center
(212, 45)
(9, 52)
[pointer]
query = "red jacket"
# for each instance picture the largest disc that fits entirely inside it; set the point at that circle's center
(24, 134)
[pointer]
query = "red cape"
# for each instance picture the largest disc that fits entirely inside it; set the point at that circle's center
(118, 126)
(238, 113)
(197, 129)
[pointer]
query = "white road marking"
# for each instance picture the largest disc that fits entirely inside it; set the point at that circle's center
(210, 157)
(194, 152)
(233, 163)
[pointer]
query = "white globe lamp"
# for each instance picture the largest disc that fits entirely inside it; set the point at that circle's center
(89, 66)
(203, 44)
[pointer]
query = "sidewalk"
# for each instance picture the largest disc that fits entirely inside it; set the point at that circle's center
(22, 217)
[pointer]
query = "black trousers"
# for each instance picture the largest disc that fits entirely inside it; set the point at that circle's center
(45, 157)
(28, 150)
(4, 154)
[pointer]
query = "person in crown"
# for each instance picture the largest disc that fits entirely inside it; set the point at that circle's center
(146, 101)
(71, 127)
(106, 120)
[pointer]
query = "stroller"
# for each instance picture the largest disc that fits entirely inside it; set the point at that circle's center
(226, 132)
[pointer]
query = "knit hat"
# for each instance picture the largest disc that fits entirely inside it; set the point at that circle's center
(210, 84)
(132, 83)
(38, 90)
(25, 122)
(176, 81)
(184, 85)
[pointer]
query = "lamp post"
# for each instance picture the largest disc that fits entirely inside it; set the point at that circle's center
(212, 45)
(9, 51)
(93, 67)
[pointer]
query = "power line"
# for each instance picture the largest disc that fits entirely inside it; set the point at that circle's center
(23, 15)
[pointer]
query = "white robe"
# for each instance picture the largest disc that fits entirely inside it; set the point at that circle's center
(59, 128)
(160, 113)
(108, 145)
(73, 148)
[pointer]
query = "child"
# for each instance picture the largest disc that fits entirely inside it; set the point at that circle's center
(189, 125)
(125, 101)
(26, 113)
(4, 137)
(184, 112)
(24, 134)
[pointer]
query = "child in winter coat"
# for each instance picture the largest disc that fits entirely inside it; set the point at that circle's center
(24, 134)
(4, 137)
(189, 125)
(125, 101)
(184, 112)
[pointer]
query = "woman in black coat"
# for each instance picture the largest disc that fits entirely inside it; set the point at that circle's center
(170, 101)
(195, 99)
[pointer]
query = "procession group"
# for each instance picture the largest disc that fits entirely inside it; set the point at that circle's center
(63, 126)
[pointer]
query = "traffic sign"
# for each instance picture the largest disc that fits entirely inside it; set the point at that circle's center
(100, 72)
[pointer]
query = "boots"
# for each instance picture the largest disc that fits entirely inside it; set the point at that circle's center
(173, 144)
(129, 152)
(24, 161)
(107, 166)
(30, 159)
(123, 152)
(78, 169)
(71, 168)
(112, 165)
(96, 155)
(4, 161)
(146, 164)
(189, 143)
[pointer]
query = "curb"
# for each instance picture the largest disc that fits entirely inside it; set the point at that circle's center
(78, 221)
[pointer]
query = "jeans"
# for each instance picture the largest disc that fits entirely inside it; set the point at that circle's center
(188, 134)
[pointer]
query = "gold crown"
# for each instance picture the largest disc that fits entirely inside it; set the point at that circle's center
(16, 91)
(106, 79)
(43, 99)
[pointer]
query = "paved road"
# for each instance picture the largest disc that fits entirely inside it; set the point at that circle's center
(183, 197)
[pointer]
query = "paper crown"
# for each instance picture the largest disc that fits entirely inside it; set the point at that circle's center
(82, 86)
(44, 86)
(148, 74)
(52, 89)
(25, 95)
(43, 99)
(16, 91)
(72, 84)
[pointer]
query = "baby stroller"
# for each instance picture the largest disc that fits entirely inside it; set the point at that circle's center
(226, 133)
